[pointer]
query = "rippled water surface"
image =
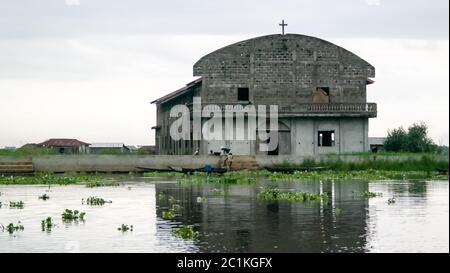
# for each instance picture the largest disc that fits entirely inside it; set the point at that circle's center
(231, 219)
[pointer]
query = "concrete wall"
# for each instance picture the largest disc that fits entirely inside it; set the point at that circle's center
(125, 163)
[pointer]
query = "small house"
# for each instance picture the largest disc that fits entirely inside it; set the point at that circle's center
(65, 145)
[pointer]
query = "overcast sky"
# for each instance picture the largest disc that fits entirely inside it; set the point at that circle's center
(89, 69)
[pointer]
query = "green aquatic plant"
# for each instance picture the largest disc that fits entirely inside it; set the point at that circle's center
(186, 232)
(162, 174)
(72, 215)
(270, 194)
(247, 173)
(167, 214)
(217, 180)
(369, 194)
(49, 178)
(44, 197)
(161, 196)
(356, 175)
(47, 224)
(176, 208)
(391, 201)
(17, 205)
(217, 191)
(11, 228)
(95, 201)
(125, 228)
(95, 184)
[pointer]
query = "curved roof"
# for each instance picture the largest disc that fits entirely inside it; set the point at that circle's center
(276, 42)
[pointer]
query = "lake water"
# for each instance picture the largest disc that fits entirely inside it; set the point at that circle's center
(230, 218)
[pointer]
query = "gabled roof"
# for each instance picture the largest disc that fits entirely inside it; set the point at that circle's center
(64, 142)
(107, 145)
(178, 92)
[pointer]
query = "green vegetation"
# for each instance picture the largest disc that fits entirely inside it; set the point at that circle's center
(94, 184)
(47, 224)
(48, 178)
(27, 151)
(357, 175)
(337, 211)
(235, 179)
(11, 228)
(72, 215)
(167, 214)
(162, 174)
(95, 201)
(391, 201)
(414, 140)
(217, 191)
(186, 232)
(270, 194)
(44, 197)
(368, 194)
(17, 205)
(125, 228)
(426, 162)
(176, 208)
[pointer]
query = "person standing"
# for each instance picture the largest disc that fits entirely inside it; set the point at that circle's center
(229, 161)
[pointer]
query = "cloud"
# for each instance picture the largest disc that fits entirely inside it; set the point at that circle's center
(99, 87)
(418, 19)
(89, 69)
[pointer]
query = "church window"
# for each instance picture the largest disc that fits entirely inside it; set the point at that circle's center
(243, 94)
(326, 138)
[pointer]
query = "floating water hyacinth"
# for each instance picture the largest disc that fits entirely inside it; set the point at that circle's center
(125, 228)
(72, 215)
(47, 224)
(11, 228)
(167, 215)
(186, 232)
(17, 205)
(95, 201)
(368, 194)
(271, 194)
(44, 197)
(391, 201)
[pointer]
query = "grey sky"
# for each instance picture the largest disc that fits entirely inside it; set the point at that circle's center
(88, 69)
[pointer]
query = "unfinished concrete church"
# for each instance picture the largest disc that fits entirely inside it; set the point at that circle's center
(319, 87)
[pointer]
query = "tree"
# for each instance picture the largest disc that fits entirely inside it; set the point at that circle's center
(396, 140)
(416, 140)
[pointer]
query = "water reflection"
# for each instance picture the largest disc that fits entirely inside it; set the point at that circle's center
(231, 219)
(235, 221)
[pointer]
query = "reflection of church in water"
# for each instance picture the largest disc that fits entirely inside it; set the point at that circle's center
(236, 222)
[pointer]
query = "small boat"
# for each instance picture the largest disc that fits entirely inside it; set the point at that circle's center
(294, 169)
(219, 170)
(153, 169)
(192, 170)
(185, 170)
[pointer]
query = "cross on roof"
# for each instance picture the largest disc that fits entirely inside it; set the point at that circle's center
(282, 26)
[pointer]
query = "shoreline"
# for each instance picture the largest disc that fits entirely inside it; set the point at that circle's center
(234, 177)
